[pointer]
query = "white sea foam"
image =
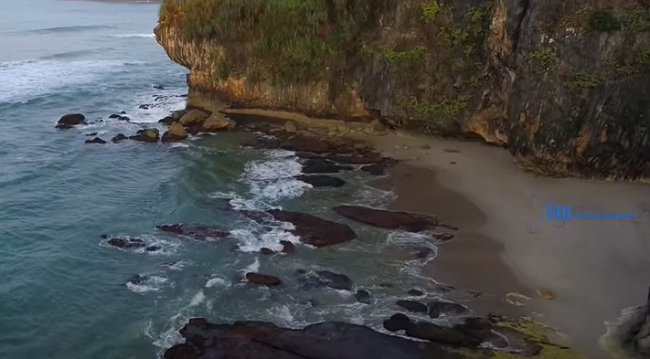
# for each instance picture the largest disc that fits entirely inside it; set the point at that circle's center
(253, 267)
(254, 239)
(217, 281)
(151, 283)
(160, 106)
(180, 145)
(198, 298)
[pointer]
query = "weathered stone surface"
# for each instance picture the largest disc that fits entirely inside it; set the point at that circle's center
(177, 115)
(319, 279)
(313, 230)
(290, 127)
(288, 247)
(196, 231)
(193, 117)
(363, 296)
(413, 306)
(71, 120)
(440, 334)
(148, 135)
(218, 122)
(96, 140)
(406, 221)
(176, 133)
(263, 279)
(322, 180)
(119, 137)
(397, 322)
(166, 121)
(436, 308)
(321, 165)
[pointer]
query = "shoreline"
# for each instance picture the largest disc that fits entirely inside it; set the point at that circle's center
(596, 268)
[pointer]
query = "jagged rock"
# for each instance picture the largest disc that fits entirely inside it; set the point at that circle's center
(126, 243)
(263, 279)
(96, 140)
(415, 292)
(118, 138)
(413, 306)
(290, 127)
(313, 230)
(193, 117)
(148, 135)
(378, 169)
(329, 340)
(145, 106)
(321, 165)
(321, 180)
(177, 115)
(158, 87)
(397, 322)
(447, 308)
(166, 121)
(267, 251)
(406, 221)
(217, 122)
(114, 116)
(71, 120)
(363, 296)
(287, 247)
(310, 280)
(196, 231)
(176, 133)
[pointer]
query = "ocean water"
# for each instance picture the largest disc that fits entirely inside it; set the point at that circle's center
(63, 291)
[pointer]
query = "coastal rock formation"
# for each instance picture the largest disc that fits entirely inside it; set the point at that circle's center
(313, 230)
(263, 279)
(436, 308)
(406, 221)
(148, 135)
(564, 85)
(71, 120)
(319, 279)
(412, 306)
(629, 336)
(196, 231)
(217, 122)
(322, 181)
(119, 137)
(96, 140)
(321, 165)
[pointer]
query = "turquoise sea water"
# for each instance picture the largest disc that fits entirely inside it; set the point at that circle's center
(62, 289)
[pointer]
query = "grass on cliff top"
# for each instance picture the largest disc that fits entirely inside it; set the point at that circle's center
(295, 39)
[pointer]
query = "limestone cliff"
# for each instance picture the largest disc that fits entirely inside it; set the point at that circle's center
(564, 84)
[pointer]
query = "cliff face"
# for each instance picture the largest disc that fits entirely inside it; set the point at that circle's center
(564, 84)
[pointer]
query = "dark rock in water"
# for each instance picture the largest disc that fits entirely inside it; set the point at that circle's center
(313, 230)
(310, 280)
(287, 247)
(148, 135)
(176, 115)
(397, 322)
(415, 292)
(96, 140)
(423, 252)
(196, 231)
(91, 134)
(127, 243)
(158, 87)
(321, 180)
(71, 120)
(378, 169)
(137, 279)
(363, 296)
(413, 306)
(267, 251)
(263, 279)
(329, 340)
(114, 116)
(447, 308)
(257, 216)
(144, 106)
(124, 118)
(439, 334)
(321, 165)
(118, 138)
(406, 221)
(167, 120)
(153, 248)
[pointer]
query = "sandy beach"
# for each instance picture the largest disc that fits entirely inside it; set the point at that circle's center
(505, 244)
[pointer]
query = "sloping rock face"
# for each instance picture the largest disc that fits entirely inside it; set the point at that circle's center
(564, 85)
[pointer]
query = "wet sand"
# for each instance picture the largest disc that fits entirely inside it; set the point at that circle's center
(505, 244)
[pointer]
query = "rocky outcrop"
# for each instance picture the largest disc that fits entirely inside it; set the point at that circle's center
(629, 336)
(96, 140)
(564, 85)
(195, 231)
(319, 279)
(263, 279)
(313, 230)
(406, 221)
(148, 135)
(322, 181)
(71, 120)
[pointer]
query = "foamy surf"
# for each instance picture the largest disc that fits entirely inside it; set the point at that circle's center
(149, 283)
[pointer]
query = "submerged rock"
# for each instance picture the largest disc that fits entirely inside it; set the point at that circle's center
(267, 251)
(319, 279)
(91, 134)
(71, 120)
(127, 243)
(148, 135)
(119, 137)
(263, 279)
(313, 230)
(406, 221)
(415, 292)
(363, 296)
(287, 247)
(397, 322)
(96, 140)
(413, 306)
(196, 231)
(436, 308)
(322, 180)
(321, 165)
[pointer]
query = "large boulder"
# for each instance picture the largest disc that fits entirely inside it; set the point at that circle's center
(263, 279)
(199, 232)
(148, 135)
(96, 140)
(406, 221)
(71, 120)
(439, 334)
(193, 117)
(321, 180)
(313, 230)
(320, 279)
(176, 133)
(397, 322)
(218, 122)
(321, 165)
(119, 137)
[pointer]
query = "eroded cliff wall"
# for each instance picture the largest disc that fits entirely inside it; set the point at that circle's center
(564, 84)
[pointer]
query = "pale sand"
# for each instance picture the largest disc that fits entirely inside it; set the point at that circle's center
(596, 267)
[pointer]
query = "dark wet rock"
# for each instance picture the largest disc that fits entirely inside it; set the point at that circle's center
(153, 248)
(415, 292)
(452, 162)
(114, 116)
(158, 87)
(321, 165)
(378, 169)
(423, 252)
(176, 133)
(412, 306)
(137, 279)
(124, 118)
(91, 134)
(96, 140)
(439, 334)
(257, 216)
(322, 180)
(328, 340)
(397, 322)
(166, 121)
(126, 243)
(263, 279)
(176, 115)
(71, 120)
(193, 117)
(313, 230)
(196, 231)
(406, 221)
(319, 279)
(148, 135)
(287, 247)
(267, 251)
(363, 296)
(436, 308)
(118, 138)
(145, 106)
